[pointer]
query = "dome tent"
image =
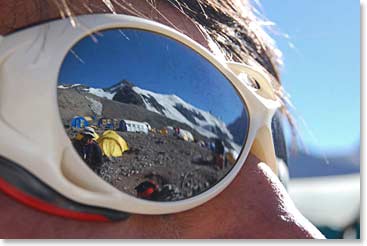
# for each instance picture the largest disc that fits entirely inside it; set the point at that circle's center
(106, 123)
(112, 144)
(79, 122)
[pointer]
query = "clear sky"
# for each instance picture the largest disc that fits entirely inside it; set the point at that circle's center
(322, 71)
(154, 63)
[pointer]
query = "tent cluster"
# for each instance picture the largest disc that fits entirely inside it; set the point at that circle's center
(110, 142)
(79, 122)
(178, 132)
(114, 145)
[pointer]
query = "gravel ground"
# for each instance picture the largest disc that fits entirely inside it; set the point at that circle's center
(182, 169)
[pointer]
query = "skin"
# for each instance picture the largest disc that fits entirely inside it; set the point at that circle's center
(89, 141)
(254, 205)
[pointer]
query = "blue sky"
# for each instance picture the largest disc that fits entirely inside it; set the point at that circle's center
(154, 63)
(322, 71)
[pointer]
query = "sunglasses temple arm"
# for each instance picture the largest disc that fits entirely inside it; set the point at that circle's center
(263, 148)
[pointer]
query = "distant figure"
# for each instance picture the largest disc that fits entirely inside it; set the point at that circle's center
(148, 190)
(177, 131)
(88, 149)
(201, 143)
(219, 153)
(211, 146)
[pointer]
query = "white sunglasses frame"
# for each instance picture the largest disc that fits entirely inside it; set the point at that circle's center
(30, 61)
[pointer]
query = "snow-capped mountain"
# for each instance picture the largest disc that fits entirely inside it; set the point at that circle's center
(105, 93)
(170, 106)
(175, 108)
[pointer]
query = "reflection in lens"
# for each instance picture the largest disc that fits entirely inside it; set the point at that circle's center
(149, 115)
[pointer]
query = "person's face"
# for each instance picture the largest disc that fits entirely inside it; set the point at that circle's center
(88, 140)
(254, 205)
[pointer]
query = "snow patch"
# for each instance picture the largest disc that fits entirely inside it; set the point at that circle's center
(100, 93)
(169, 103)
(64, 86)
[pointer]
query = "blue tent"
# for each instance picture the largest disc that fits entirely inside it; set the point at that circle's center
(106, 123)
(79, 122)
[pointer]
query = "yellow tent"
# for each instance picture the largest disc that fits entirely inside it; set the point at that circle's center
(112, 144)
(164, 131)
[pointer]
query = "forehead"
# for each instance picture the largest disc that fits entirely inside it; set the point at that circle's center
(21, 14)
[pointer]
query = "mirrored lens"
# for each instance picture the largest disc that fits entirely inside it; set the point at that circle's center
(149, 115)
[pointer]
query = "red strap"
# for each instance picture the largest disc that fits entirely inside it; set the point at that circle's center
(46, 207)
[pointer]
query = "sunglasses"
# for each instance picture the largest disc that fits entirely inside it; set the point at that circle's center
(168, 125)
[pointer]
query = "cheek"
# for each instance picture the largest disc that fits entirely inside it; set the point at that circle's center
(254, 205)
(238, 212)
